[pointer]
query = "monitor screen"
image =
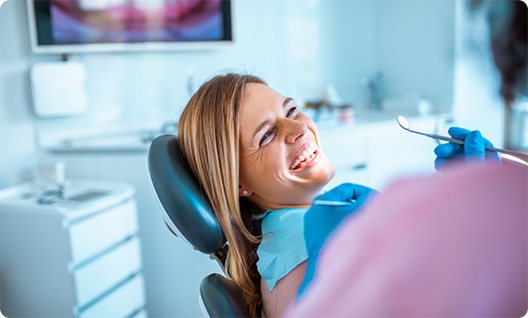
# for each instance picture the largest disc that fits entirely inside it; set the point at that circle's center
(68, 26)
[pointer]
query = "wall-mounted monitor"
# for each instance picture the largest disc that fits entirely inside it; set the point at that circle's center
(75, 26)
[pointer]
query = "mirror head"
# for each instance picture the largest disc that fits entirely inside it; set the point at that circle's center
(404, 123)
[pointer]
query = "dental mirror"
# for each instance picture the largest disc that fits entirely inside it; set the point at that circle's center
(404, 123)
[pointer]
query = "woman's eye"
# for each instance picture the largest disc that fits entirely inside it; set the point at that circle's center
(291, 111)
(266, 136)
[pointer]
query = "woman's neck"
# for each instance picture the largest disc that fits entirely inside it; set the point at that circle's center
(304, 203)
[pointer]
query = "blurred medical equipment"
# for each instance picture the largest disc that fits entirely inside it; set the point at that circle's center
(50, 181)
(80, 257)
(519, 124)
(404, 123)
(374, 86)
(113, 140)
(329, 101)
(320, 220)
(59, 89)
(189, 216)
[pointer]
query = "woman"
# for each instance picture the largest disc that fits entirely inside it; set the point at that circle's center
(255, 153)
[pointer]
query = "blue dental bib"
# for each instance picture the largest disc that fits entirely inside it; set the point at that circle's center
(282, 247)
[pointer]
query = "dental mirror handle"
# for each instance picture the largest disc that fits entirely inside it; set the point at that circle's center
(460, 142)
(334, 203)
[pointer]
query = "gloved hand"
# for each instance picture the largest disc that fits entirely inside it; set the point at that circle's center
(472, 151)
(321, 220)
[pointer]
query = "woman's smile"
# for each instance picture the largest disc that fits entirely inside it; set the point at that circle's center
(305, 155)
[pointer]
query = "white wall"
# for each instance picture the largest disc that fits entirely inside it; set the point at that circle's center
(410, 42)
(350, 46)
(415, 48)
(17, 147)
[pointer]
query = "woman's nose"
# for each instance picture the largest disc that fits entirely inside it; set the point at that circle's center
(295, 130)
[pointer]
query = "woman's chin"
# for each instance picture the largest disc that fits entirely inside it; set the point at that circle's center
(330, 174)
(324, 175)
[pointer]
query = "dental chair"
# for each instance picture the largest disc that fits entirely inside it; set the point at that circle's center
(189, 216)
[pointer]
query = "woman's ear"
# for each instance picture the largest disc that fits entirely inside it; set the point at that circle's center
(243, 192)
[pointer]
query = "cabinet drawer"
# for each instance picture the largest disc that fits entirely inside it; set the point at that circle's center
(123, 302)
(107, 271)
(345, 151)
(103, 230)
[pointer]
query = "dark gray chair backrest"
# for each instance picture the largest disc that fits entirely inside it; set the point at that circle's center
(185, 208)
(188, 214)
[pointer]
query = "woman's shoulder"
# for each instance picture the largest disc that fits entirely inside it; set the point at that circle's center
(282, 247)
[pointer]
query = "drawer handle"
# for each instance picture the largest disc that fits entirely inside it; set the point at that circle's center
(359, 166)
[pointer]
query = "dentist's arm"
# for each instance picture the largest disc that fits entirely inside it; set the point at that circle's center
(321, 220)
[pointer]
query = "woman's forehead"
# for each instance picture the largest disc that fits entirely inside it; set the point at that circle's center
(258, 105)
(255, 92)
(259, 98)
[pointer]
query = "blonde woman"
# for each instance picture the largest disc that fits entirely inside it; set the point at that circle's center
(260, 163)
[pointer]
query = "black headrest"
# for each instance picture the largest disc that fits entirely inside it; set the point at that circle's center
(187, 211)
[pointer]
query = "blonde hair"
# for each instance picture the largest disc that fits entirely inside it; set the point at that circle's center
(208, 134)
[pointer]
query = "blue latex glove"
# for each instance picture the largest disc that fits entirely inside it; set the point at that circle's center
(321, 220)
(472, 151)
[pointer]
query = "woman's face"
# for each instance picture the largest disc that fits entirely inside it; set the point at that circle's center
(281, 161)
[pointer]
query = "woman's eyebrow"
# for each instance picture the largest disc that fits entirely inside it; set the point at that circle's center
(264, 123)
(259, 128)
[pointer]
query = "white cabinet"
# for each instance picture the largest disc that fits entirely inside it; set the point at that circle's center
(375, 154)
(172, 270)
(63, 260)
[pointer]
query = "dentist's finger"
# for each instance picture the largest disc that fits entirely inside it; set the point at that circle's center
(345, 192)
(458, 133)
(448, 150)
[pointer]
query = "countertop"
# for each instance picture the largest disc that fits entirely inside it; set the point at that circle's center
(138, 140)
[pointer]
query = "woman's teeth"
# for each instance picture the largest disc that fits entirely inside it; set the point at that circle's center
(305, 157)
